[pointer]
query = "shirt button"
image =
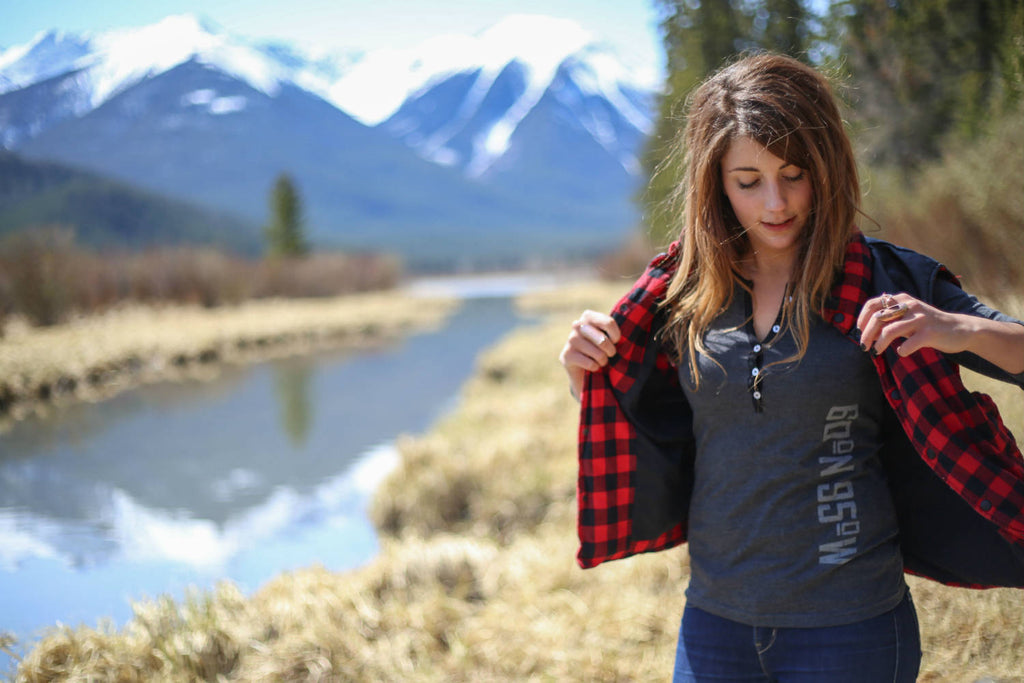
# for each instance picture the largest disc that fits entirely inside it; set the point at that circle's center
(757, 395)
(757, 348)
(839, 317)
(754, 372)
(775, 329)
(985, 505)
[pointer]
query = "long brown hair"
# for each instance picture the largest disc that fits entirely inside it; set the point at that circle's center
(788, 107)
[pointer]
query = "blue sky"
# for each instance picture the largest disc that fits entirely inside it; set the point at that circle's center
(630, 24)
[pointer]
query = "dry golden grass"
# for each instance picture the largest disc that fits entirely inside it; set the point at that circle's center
(476, 580)
(93, 356)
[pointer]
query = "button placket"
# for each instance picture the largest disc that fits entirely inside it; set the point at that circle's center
(755, 383)
(756, 362)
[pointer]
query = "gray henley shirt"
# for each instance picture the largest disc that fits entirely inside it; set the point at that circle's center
(791, 521)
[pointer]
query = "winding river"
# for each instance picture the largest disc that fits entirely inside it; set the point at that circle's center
(263, 469)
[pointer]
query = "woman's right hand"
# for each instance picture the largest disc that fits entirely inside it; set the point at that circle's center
(590, 345)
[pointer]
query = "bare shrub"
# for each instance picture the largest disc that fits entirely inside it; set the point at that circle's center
(965, 210)
(325, 274)
(45, 277)
(38, 274)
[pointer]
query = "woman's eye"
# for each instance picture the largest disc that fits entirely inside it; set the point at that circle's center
(795, 178)
(746, 186)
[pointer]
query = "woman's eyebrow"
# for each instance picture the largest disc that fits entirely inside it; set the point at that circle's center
(751, 169)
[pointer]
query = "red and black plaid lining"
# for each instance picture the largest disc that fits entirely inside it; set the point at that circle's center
(607, 451)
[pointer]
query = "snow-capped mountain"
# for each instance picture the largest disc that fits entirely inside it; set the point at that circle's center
(106, 64)
(529, 125)
(458, 100)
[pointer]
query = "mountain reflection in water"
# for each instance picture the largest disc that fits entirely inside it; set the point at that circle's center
(265, 468)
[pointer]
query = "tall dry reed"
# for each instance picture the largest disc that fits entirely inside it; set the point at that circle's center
(45, 277)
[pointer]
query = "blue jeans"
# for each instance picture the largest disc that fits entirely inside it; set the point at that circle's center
(883, 648)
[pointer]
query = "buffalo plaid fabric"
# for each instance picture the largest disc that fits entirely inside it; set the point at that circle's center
(959, 434)
(607, 439)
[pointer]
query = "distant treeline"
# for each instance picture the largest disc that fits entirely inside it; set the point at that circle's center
(933, 97)
(45, 276)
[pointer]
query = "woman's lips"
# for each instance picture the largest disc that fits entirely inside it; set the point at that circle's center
(779, 226)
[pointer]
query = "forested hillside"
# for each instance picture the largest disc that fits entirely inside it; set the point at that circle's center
(933, 99)
(110, 214)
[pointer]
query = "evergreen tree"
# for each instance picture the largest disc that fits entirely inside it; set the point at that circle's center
(284, 233)
(924, 70)
(783, 26)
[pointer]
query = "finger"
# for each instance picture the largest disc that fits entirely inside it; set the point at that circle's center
(592, 333)
(903, 328)
(869, 332)
(910, 346)
(871, 307)
(582, 339)
(603, 322)
(598, 338)
(573, 358)
(882, 340)
(877, 315)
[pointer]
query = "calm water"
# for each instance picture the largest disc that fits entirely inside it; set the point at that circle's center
(264, 469)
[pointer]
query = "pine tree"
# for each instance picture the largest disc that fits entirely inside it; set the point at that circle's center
(925, 70)
(284, 233)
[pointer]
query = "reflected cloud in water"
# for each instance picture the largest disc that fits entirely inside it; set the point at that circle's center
(137, 533)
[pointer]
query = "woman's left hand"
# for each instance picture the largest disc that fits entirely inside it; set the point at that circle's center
(918, 323)
(888, 318)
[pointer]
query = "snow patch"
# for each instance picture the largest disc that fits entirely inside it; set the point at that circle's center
(435, 147)
(445, 156)
(199, 97)
(228, 105)
(599, 72)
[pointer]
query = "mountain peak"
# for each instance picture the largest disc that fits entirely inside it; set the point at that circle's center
(539, 28)
(172, 38)
(49, 53)
(123, 57)
(376, 87)
(538, 41)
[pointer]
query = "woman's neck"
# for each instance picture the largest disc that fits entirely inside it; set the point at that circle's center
(772, 270)
(770, 279)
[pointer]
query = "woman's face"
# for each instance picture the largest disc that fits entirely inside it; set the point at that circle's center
(771, 198)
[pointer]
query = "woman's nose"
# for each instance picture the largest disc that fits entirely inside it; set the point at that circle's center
(775, 199)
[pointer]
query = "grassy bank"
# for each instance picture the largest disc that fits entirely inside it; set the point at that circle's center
(476, 580)
(95, 356)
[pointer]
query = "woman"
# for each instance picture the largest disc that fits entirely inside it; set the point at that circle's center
(782, 393)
